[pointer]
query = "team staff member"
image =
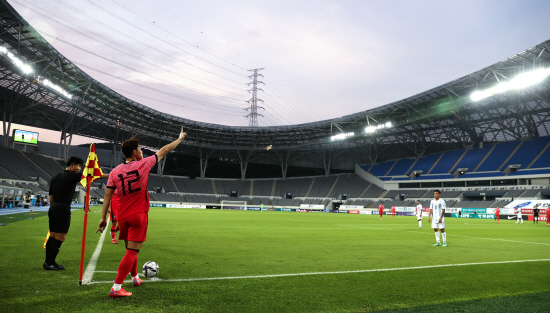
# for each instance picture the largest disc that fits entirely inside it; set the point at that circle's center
(62, 187)
(130, 181)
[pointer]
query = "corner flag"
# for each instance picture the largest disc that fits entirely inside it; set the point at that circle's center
(92, 167)
(92, 171)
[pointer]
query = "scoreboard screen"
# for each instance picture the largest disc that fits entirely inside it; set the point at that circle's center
(24, 136)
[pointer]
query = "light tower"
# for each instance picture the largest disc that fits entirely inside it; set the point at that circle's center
(253, 109)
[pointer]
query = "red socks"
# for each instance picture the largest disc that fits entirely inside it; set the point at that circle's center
(133, 271)
(129, 262)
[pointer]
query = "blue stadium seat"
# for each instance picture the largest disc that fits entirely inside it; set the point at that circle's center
(501, 152)
(527, 152)
(382, 168)
(445, 165)
(401, 167)
(425, 163)
(472, 158)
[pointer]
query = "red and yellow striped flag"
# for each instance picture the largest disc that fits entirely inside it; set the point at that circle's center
(92, 167)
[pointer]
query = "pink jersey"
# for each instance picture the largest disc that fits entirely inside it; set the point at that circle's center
(130, 180)
(497, 211)
(393, 209)
(381, 208)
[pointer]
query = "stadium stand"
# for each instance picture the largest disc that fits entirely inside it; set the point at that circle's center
(500, 153)
(49, 165)
(472, 158)
(425, 163)
(527, 152)
(262, 187)
(21, 166)
(543, 160)
(225, 187)
(447, 162)
(188, 185)
(401, 167)
(364, 203)
(286, 202)
(353, 186)
(373, 192)
(321, 186)
(258, 201)
(380, 169)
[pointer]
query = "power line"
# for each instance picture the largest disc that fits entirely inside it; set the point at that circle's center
(113, 45)
(143, 43)
(216, 106)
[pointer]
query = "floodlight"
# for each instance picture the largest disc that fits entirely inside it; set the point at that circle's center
(521, 81)
(342, 136)
(370, 129)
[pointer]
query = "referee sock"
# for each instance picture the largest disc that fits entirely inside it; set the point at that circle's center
(49, 250)
(126, 265)
(55, 250)
(437, 236)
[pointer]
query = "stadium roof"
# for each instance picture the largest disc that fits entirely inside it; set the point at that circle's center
(437, 119)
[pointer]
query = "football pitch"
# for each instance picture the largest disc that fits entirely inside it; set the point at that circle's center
(249, 261)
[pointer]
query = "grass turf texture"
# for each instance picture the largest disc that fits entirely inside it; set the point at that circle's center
(223, 243)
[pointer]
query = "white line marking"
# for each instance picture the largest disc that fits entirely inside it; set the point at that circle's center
(89, 272)
(155, 279)
(451, 235)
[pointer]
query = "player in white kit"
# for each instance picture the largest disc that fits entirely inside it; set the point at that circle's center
(437, 210)
(520, 217)
(418, 214)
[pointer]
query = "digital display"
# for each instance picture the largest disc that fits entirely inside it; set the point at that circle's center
(24, 136)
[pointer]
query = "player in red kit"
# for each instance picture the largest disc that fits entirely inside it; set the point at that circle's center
(392, 210)
(381, 209)
(130, 180)
(548, 215)
(497, 214)
(113, 212)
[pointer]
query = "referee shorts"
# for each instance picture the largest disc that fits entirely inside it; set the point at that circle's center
(134, 227)
(59, 216)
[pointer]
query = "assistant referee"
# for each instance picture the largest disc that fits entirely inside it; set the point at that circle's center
(62, 188)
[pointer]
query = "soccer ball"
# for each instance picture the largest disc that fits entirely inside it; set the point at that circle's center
(150, 269)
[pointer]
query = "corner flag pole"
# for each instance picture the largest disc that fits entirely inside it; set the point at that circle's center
(92, 171)
(86, 208)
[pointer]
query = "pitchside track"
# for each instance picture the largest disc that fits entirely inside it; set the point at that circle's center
(236, 261)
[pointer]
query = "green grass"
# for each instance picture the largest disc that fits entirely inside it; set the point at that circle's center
(216, 243)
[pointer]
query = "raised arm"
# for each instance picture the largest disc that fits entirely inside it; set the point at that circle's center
(171, 146)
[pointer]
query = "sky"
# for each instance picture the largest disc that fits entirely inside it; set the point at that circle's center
(320, 59)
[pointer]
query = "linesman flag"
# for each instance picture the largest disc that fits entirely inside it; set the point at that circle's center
(92, 167)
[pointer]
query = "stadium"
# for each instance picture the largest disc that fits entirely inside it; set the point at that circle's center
(483, 140)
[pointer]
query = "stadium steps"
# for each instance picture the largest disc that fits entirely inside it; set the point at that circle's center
(485, 158)
(310, 186)
(334, 184)
(364, 191)
(412, 166)
(458, 161)
(383, 194)
(47, 177)
(183, 197)
(175, 185)
(435, 163)
(273, 189)
(538, 155)
(510, 156)
(391, 168)
(214, 187)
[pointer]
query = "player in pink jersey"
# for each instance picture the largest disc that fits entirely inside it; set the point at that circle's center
(548, 216)
(130, 180)
(392, 210)
(497, 214)
(381, 209)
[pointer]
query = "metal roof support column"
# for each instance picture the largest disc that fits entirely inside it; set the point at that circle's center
(284, 162)
(7, 128)
(326, 162)
(160, 167)
(204, 161)
(114, 155)
(244, 158)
